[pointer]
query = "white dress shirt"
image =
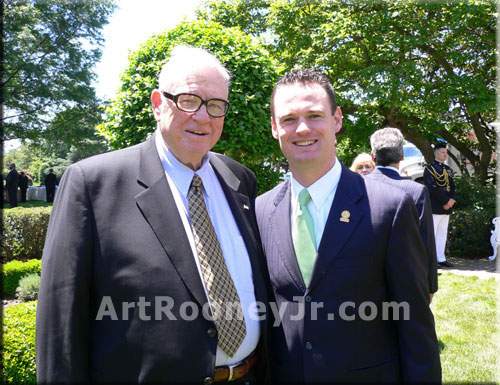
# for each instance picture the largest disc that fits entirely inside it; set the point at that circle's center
(233, 247)
(322, 194)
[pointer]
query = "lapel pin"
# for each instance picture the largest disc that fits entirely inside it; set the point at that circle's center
(344, 217)
(246, 207)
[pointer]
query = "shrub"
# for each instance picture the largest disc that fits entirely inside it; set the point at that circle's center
(24, 233)
(15, 270)
(470, 223)
(28, 288)
(19, 344)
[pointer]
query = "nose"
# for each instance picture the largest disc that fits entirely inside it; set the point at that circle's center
(302, 127)
(202, 114)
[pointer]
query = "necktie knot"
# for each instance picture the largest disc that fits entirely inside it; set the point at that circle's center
(304, 198)
(196, 182)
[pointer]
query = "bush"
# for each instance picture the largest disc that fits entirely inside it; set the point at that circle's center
(24, 233)
(470, 223)
(15, 270)
(19, 365)
(29, 287)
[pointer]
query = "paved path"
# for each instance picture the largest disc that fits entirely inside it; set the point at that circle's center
(483, 268)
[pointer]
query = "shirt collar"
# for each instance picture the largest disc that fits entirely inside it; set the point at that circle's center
(322, 188)
(180, 174)
(390, 168)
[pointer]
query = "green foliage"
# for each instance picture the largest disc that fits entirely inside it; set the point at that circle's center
(24, 233)
(247, 133)
(13, 271)
(19, 366)
(425, 67)
(470, 225)
(28, 288)
(50, 48)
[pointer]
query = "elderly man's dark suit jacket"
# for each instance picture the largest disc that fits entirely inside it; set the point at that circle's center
(422, 201)
(115, 232)
(371, 257)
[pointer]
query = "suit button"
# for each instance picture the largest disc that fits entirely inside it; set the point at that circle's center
(208, 381)
(212, 332)
(308, 298)
(308, 346)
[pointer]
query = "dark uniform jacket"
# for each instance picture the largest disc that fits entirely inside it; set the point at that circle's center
(439, 181)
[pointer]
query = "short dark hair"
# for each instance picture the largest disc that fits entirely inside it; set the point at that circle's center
(439, 145)
(306, 76)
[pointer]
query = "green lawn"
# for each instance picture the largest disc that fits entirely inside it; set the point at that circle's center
(6, 206)
(467, 327)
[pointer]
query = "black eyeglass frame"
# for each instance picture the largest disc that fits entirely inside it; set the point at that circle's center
(174, 98)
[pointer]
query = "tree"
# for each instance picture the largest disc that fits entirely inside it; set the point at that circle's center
(427, 68)
(50, 47)
(246, 136)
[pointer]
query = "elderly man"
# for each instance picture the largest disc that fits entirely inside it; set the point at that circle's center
(159, 282)
(336, 245)
(387, 152)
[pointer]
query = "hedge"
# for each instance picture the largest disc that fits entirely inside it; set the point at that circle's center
(470, 225)
(15, 270)
(24, 232)
(19, 366)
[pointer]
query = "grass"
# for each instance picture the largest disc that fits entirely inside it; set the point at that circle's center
(6, 206)
(467, 327)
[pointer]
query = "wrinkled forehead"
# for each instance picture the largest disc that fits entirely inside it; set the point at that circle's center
(199, 75)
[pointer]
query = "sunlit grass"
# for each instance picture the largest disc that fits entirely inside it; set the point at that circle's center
(467, 326)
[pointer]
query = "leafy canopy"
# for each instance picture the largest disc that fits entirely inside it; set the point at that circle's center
(50, 48)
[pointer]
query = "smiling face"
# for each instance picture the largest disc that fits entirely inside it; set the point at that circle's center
(305, 127)
(190, 135)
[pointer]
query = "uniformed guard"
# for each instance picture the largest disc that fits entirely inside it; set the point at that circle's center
(438, 179)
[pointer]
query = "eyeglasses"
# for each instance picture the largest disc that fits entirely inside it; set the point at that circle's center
(216, 108)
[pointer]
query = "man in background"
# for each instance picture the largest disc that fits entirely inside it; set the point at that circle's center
(50, 185)
(438, 179)
(11, 184)
(23, 185)
(387, 152)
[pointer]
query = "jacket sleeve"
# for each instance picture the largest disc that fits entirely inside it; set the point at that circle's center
(62, 325)
(406, 273)
(427, 233)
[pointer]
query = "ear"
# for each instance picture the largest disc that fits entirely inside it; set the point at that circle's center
(156, 102)
(373, 157)
(274, 129)
(338, 119)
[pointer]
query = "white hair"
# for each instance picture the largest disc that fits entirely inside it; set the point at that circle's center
(184, 59)
(387, 146)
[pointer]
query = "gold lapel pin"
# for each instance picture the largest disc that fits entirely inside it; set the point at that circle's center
(344, 217)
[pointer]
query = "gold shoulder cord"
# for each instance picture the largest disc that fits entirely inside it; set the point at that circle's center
(442, 180)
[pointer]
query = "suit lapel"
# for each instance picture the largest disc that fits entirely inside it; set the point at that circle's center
(337, 232)
(282, 234)
(240, 206)
(157, 204)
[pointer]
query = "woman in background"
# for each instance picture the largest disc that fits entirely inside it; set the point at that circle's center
(363, 164)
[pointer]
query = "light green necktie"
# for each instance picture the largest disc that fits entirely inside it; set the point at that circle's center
(304, 240)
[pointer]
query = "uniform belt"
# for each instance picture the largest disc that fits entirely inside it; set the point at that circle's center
(236, 371)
